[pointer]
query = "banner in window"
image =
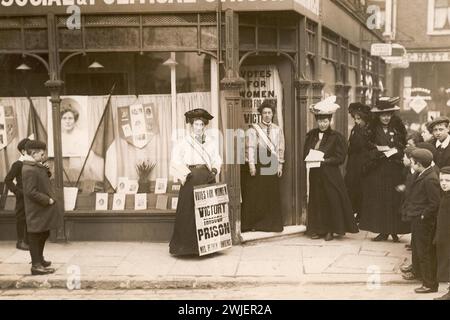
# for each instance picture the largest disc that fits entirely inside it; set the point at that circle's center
(137, 124)
(261, 83)
(211, 218)
(8, 126)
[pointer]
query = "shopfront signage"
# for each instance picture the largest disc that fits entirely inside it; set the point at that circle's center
(151, 6)
(212, 218)
(429, 56)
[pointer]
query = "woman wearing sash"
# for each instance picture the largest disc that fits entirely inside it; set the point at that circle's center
(195, 161)
(329, 207)
(261, 207)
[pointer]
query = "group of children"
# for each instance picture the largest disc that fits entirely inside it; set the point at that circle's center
(426, 202)
(29, 180)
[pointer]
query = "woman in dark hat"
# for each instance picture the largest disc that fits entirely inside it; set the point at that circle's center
(329, 207)
(357, 153)
(381, 204)
(195, 161)
(261, 204)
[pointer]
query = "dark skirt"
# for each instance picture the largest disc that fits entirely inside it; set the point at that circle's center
(329, 207)
(261, 204)
(381, 205)
(184, 238)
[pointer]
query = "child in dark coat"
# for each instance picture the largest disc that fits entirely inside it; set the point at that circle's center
(15, 173)
(421, 205)
(39, 205)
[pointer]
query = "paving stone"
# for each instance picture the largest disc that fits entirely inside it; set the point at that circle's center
(349, 263)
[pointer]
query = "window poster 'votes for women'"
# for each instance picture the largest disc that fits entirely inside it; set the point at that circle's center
(261, 83)
(211, 218)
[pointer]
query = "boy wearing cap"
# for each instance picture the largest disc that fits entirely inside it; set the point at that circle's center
(440, 130)
(39, 205)
(442, 238)
(421, 205)
(15, 173)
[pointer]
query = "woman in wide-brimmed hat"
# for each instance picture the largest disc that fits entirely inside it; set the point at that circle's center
(329, 207)
(357, 153)
(381, 204)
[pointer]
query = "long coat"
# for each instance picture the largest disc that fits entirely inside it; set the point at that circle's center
(357, 156)
(329, 207)
(381, 204)
(423, 196)
(442, 156)
(37, 191)
(442, 239)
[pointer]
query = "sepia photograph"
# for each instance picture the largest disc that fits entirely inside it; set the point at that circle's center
(248, 151)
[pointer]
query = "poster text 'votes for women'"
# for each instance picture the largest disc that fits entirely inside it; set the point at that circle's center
(8, 125)
(211, 218)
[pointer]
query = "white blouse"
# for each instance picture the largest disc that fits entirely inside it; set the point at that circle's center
(184, 154)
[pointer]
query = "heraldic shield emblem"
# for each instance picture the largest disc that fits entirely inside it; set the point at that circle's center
(138, 124)
(8, 125)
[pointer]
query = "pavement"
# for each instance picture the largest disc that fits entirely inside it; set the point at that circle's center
(286, 259)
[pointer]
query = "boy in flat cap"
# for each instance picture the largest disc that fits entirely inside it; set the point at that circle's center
(39, 205)
(15, 173)
(421, 205)
(442, 238)
(441, 140)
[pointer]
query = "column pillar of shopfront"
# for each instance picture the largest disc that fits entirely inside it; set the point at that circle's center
(317, 87)
(342, 96)
(231, 86)
(54, 85)
(302, 94)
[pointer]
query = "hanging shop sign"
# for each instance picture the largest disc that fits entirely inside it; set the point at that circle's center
(261, 83)
(74, 126)
(311, 7)
(212, 218)
(8, 126)
(418, 104)
(381, 49)
(137, 124)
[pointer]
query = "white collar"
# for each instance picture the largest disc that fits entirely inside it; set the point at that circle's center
(267, 124)
(321, 135)
(444, 144)
(425, 170)
(22, 158)
(28, 158)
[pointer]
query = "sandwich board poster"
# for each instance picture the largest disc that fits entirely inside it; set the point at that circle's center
(261, 83)
(212, 218)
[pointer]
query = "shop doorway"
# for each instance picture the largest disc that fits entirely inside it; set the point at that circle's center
(280, 70)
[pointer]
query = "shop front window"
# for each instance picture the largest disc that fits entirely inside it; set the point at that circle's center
(118, 143)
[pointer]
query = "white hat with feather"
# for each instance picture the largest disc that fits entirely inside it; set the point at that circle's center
(328, 106)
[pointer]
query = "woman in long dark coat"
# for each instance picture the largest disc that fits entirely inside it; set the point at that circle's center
(442, 238)
(357, 154)
(195, 161)
(329, 207)
(265, 168)
(384, 171)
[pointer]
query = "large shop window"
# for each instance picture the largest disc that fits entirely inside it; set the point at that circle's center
(102, 149)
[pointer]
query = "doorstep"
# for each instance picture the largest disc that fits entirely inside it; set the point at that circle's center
(259, 235)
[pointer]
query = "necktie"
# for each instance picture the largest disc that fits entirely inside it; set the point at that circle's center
(269, 153)
(318, 143)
